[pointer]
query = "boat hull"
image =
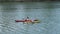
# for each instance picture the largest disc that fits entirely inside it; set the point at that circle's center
(27, 21)
(19, 21)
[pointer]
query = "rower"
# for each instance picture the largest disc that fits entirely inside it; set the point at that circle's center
(27, 20)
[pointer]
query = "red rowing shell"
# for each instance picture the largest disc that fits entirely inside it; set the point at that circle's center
(19, 20)
(23, 20)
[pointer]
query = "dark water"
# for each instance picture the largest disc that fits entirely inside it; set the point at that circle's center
(48, 13)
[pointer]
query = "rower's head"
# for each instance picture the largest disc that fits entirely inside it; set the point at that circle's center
(27, 17)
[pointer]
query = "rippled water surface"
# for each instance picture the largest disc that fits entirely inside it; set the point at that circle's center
(48, 13)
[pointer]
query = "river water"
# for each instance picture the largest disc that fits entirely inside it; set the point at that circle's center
(47, 12)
